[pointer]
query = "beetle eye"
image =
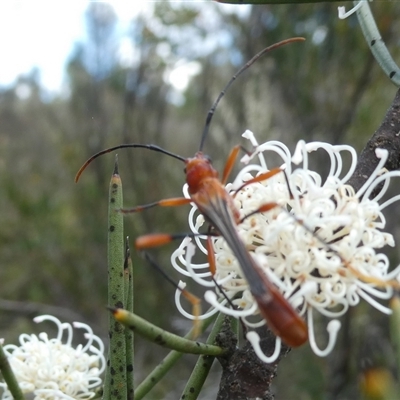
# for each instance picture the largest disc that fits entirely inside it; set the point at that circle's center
(184, 170)
(208, 158)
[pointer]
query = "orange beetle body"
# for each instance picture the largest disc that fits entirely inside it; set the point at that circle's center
(217, 206)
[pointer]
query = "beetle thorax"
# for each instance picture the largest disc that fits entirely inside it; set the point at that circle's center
(197, 170)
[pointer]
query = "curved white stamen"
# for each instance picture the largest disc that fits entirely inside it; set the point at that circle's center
(24, 338)
(190, 250)
(88, 335)
(70, 335)
(394, 275)
(46, 317)
(339, 165)
(268, 147)
(186, 194)
(382, 153)
(374, 303)
(253, 325)
(198, 278)
(272, 146)
(194, 267)
(199, 243)
(211, 298)
(177, 255)
(309, 147)
(225, 281)
(96, 350)
(195, 224)
(307, 289)
(353, 163)
(386, 177)
(178, 304)
(246, 158)
(99, 352)
(389, 202)
(282, 151)
(342, 14)
(385, 294)
(299, 153)
(254, 339)
(332, 328)
(382, 191)
(192, 225)
(371, 182)
(334, 314)
(238, 181)
(248, 134)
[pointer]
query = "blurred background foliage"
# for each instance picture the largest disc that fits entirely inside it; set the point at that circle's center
(53, 232)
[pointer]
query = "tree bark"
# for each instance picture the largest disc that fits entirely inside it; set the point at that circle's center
(387, 136)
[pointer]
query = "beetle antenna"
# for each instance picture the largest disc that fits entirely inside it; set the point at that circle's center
(239, 72)
(124, 146)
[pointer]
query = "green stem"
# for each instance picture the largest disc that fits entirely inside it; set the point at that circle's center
(129, 336)
(115, 386)
(165, 365)
(161, 337)
(9, 376)
(203, 366)
(376, 44)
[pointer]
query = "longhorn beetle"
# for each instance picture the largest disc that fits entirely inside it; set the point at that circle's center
(208, 192)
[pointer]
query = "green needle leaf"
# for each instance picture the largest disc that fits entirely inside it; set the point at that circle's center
(115, 381)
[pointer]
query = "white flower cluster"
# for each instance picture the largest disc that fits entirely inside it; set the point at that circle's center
(51, 369)
(319, 246)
